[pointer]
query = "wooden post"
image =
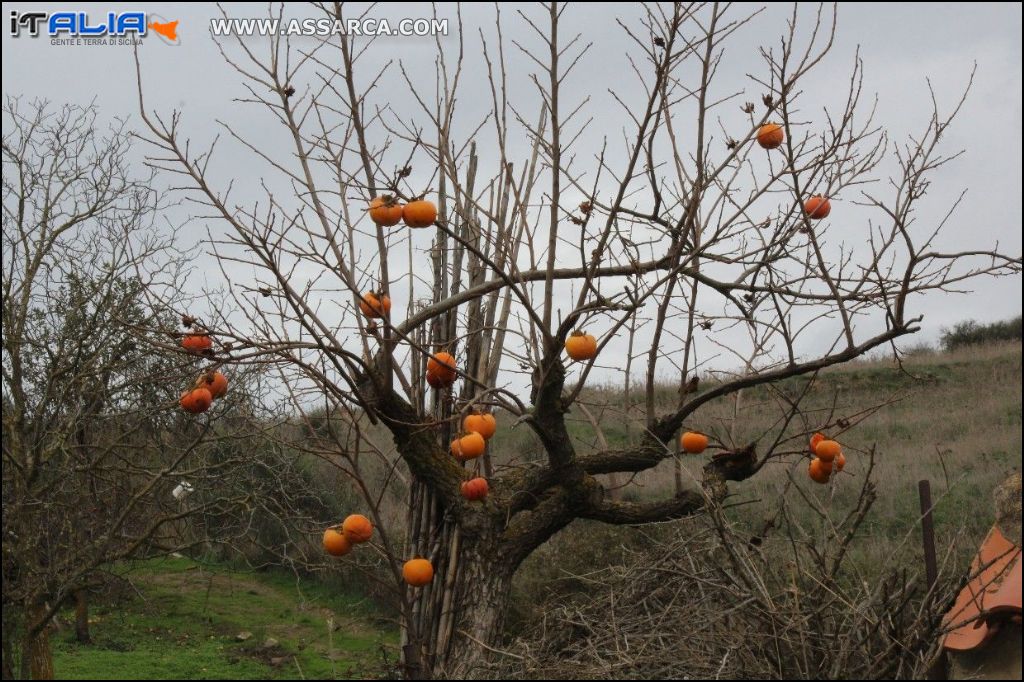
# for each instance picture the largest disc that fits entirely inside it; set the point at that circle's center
(937, 670)
(924, 490)
(82, 617)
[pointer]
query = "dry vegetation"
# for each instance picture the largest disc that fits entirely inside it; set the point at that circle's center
(671, 588)
(921, 431)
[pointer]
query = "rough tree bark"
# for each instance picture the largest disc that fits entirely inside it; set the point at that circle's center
(477, 548)
(36, 654)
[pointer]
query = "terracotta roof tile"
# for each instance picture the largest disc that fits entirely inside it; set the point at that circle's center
(994, 589)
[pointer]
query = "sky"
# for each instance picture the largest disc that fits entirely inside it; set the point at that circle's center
(903, 47)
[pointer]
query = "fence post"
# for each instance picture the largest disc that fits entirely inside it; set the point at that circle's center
(924, 490)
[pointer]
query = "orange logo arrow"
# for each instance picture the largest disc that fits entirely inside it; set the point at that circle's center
(168, 30)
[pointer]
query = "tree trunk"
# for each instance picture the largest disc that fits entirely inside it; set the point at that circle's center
(36, 656)
(479, 601)
(483, 600)
(82, 617)
(8, 656)
(459, 617)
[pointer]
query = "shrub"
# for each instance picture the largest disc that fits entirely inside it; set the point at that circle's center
(970, 333)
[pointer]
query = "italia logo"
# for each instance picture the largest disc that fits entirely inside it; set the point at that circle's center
(81, 25)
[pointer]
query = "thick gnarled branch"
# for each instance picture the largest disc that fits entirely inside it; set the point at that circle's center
(687, 503)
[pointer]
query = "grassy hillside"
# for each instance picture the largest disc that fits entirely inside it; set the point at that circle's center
(952, 418)
(181, 620)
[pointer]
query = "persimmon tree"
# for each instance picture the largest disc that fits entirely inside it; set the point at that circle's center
(677, 239)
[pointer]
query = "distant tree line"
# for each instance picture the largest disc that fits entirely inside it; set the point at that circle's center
(969, 333)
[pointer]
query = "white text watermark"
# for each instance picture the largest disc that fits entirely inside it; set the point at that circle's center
(326, 27)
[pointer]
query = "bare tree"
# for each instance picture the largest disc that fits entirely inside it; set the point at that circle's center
(688, 236)
(93, 441)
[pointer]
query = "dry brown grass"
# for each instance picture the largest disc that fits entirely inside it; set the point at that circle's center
(958, 424)
(702, 601)
(956, 421)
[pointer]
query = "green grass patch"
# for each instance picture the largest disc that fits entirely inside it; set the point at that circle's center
(182, 620)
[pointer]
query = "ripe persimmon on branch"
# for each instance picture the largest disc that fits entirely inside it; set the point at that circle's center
(405, 266)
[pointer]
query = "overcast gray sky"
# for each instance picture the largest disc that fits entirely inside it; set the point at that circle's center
(902, 45)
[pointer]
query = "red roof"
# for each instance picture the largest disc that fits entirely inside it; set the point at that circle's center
(993, 593)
